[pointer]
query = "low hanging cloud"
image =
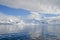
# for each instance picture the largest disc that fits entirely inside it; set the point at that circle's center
(10, 24)
(34, 15)
(53, 19)
(44, 6)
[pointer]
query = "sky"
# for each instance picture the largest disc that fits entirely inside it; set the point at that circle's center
(24, 8)
(49, 6)
(31, 9)
(20, 12)
(14, 12)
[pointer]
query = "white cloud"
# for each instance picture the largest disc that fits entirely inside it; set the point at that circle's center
(37, 16)
(17, 28)
(53, 20)
(44, 6)
(17, 24)
(34, 15)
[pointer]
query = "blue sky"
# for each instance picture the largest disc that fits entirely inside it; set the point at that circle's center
(13, 11)
(21, 12)
(44, 6)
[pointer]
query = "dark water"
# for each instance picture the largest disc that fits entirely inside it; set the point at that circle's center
(15, 36)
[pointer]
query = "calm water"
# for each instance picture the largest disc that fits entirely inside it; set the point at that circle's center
(34, 32)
